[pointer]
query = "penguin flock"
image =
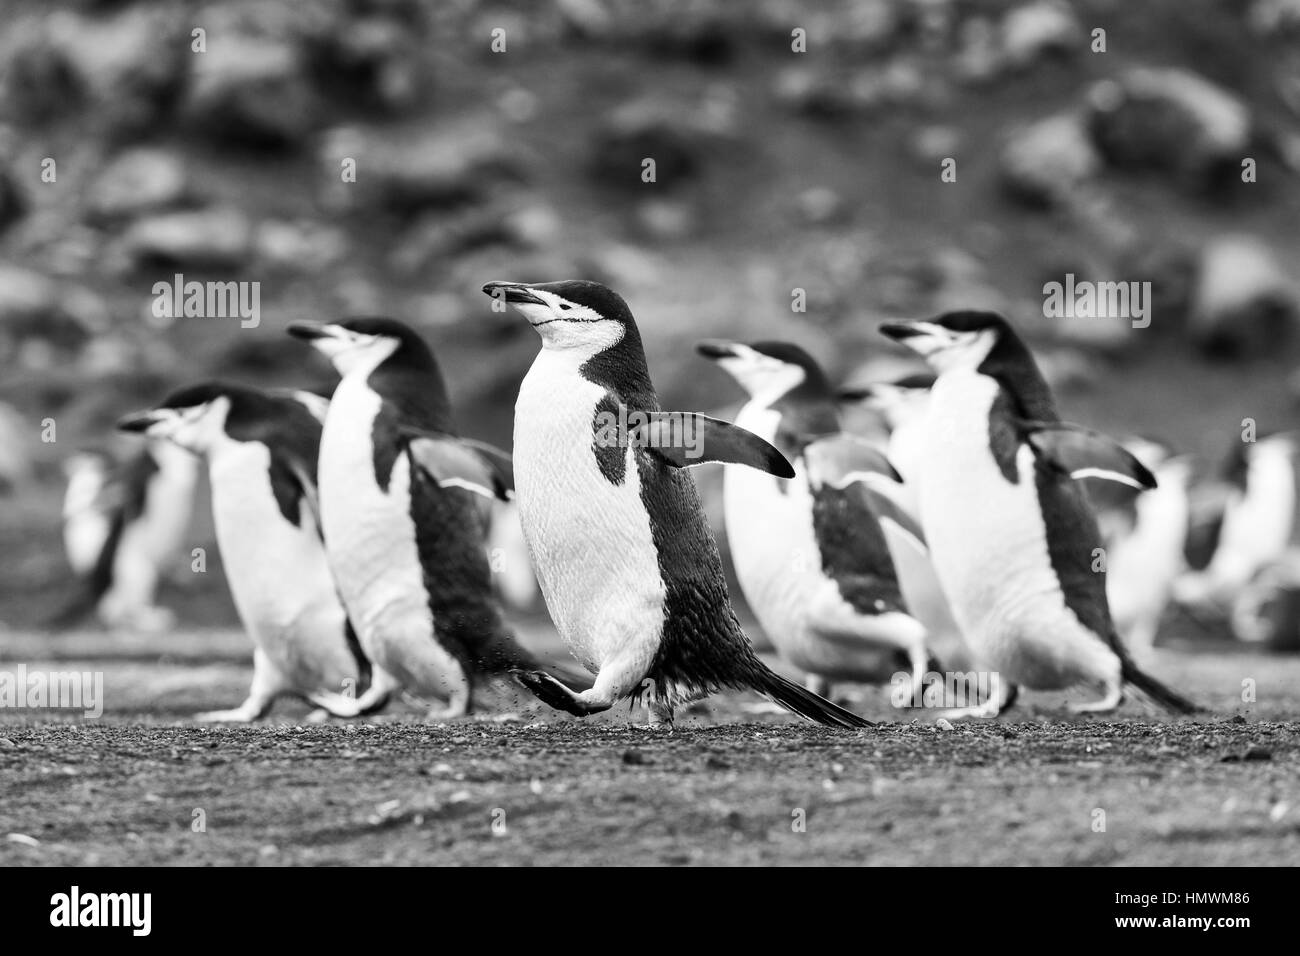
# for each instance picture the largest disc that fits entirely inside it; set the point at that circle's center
(355, 530)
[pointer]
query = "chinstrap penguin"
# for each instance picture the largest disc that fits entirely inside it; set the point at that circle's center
(1010, 531)
(261, 448)
(401, 500)
(811, 557)
(124, 525)
(627, 564)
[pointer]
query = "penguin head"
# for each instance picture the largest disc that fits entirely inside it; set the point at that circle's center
(955, 340)
(363, 344)
(898, 402)
(193, 418)
(572, 314)
(768, 371)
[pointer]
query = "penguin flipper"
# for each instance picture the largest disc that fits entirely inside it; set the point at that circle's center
(317, 406)
(1083, 453)
(839, 460)
(683, 439)
(455, 463)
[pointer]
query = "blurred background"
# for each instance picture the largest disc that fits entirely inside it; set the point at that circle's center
(797, 147)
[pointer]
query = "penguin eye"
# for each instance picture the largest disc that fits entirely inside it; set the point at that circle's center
(565, 307)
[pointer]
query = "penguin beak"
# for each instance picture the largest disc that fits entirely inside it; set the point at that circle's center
(716, 349)
(849, 394)
(309, 331)
(515, 293)
(138, 422)
(899, 331)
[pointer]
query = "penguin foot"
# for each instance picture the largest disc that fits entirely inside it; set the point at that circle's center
(239, 715)
(318, 716)
(1114, 697)
(554, 694)
(1003, 696)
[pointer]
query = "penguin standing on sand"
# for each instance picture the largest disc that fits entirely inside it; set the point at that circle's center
(623, 553)
(261, 450)
(403, 530)
(812, 558)
(123, 524)
(1012, 535)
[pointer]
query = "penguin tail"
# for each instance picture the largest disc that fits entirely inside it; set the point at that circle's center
(1169, 699)
(799, 700)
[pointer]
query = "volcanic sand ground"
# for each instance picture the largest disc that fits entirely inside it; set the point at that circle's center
(731, 785)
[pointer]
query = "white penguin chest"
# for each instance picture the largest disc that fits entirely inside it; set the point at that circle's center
(988, 542)
(369, 532)
(771, 537)
(276, 570)
(590, 539)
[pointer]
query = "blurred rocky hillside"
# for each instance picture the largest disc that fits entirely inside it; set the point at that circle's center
(506, 140)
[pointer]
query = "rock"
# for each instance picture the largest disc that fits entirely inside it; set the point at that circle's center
(810, 92)
(40, 319)
(373, 60)
(405, 174)
(1170, 120)
(1038, 29)
(820, 205)
(1043, 163)
(979, 57)
(17, 442)
(251, 91)
(666, 220)
(308, 247)
(932, 144)
(126, 64)
(1274, 17)
(645, 130)
(136, 182)
(211, 238)
(1243, 304)
(13, 204)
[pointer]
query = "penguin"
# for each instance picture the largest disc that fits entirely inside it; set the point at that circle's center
(811, 557)
(404, 530)
(903, 406)
(1144, 541)
(124, 523)
(260, 448)
(626, 562)
(1012, 535)
(1252, 524)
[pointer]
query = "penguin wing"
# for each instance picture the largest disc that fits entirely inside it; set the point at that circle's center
(683, 439)
(293, 486)
(305, 488)
(840, 460)
(317, 405)
(1083, 453)
(457, 463)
